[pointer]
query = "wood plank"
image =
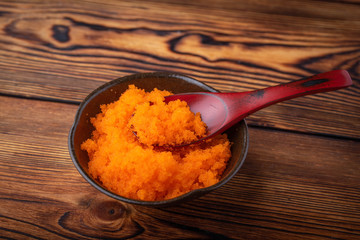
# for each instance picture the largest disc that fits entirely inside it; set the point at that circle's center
(63, 51)
(291, 186)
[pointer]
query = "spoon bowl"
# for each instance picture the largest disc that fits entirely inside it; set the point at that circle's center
(220, 111)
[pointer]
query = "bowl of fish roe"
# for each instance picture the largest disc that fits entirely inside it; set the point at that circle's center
(127, 142)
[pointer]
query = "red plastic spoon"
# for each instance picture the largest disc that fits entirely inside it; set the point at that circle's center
(222, 110)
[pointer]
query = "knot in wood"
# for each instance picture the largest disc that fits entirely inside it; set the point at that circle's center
(61, 33)
(109, 210)
(101, 217)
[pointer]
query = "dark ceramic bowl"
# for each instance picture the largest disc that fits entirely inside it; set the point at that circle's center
(111, 91)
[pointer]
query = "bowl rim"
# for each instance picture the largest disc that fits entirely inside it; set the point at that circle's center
(104, 87)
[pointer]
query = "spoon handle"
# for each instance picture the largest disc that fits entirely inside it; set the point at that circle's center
(250, 102)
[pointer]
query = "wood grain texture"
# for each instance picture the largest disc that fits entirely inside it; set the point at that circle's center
(301, 177)
(61, 51)
(291, 186)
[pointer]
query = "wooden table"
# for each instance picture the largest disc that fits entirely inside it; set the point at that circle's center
(301, 178)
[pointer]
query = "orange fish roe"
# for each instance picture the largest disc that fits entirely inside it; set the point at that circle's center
(157, 123)
(141, 171)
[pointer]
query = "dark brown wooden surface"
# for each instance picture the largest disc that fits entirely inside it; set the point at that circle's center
(301, 179)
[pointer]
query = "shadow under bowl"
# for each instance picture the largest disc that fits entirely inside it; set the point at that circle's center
(173, 82)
